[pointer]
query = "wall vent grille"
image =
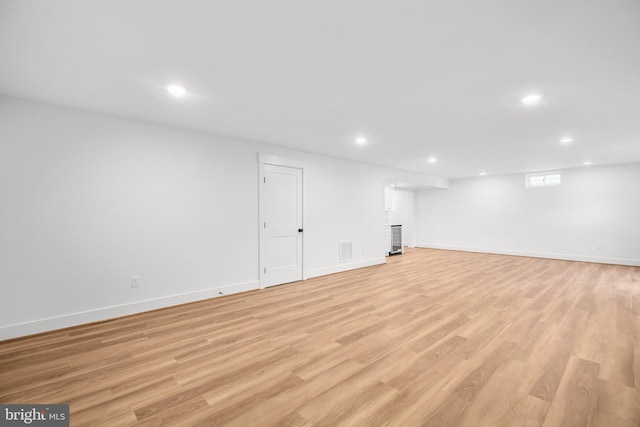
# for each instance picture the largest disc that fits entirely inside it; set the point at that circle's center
(346, 251)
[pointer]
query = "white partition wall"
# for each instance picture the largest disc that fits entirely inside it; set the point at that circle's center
(591, 216)
(91, 200)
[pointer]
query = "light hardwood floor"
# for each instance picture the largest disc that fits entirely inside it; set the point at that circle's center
(432, 338)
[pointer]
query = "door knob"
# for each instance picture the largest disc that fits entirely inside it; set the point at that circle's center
(300, 230)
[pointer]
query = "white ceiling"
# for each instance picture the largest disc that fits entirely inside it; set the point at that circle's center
(417, 78)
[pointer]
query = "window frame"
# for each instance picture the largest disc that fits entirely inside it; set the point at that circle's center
(530, 176)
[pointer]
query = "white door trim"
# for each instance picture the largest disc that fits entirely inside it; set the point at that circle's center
(281, 161)
(268, 159)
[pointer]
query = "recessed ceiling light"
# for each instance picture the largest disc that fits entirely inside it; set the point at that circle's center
(587, 163)
(177, 91)
(532, 99)
(432, 160)
(392, 185)
(361, 140)
(483, 173)
(567, 140)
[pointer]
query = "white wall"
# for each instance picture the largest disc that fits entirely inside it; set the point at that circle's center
(594, 215)
(404, 213)
(88, 200)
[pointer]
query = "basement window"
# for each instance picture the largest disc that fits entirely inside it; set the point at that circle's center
(548, 179)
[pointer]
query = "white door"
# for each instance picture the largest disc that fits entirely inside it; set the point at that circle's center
(282, 230)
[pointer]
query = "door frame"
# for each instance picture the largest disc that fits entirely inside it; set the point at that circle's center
(269, 159)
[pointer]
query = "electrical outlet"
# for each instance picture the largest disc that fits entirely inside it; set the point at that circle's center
(135, 281)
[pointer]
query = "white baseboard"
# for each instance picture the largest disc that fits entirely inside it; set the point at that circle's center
(566, 257)
(106, 313)
(112, 312)
(344, 267)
